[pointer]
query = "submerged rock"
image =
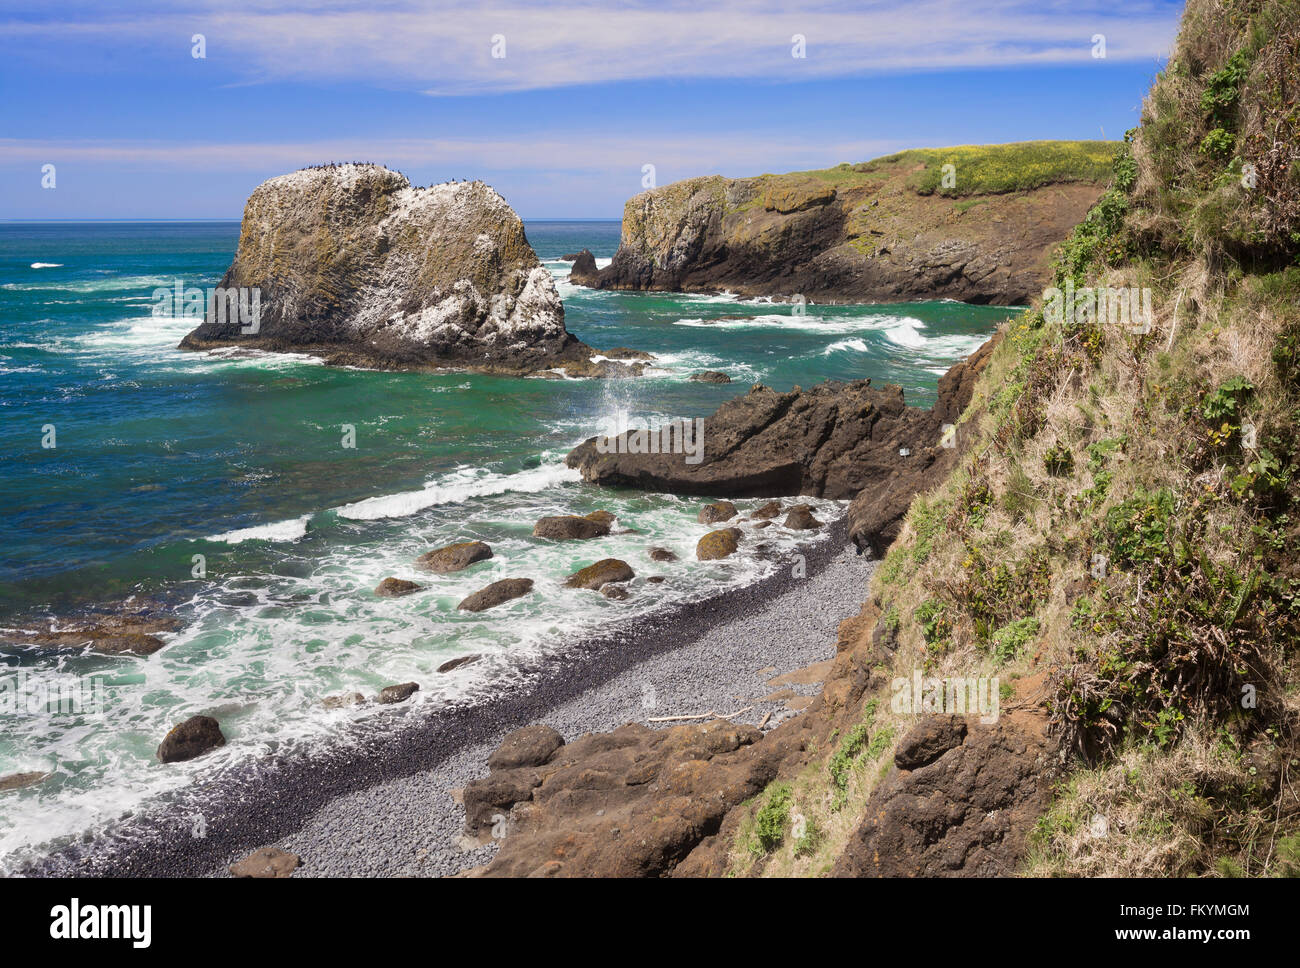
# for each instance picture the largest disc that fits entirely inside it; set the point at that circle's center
(194, 737)
(459, 661)
(401, 692)
(616, 592)
(662, 554)
(343, 700)
(454, 557)
(496, 593)
(354, 263)
(713, 513)
(718, 544)
(396, 588)
(19, 781)
(710, 376)
(601, 573)
(568, 526)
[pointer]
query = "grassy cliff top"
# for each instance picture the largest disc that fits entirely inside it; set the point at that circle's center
(977, 169)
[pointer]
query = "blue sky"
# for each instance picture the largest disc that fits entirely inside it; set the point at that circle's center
(584, 96)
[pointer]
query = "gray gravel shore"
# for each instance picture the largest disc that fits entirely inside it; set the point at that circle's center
(384, 805)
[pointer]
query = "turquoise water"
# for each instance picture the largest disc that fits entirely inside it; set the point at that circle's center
(162, 455)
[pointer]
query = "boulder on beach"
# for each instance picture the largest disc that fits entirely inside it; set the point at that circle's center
(601, 573)
(718, 511)
(801, 518)
(398, 693)
(269, 862)
(17, 781)
(459, 661)
(769, 510)
(718, 544)
(569, 526)
(662, 554)
(530, 746)
(710, 376)
(396, 588)
(454, 557)
(343, 700)
(496, 593)
(194, 737)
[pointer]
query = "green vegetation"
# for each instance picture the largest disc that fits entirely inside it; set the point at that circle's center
(998, 169)
(772, 818)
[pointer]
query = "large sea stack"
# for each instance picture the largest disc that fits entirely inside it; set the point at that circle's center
(354, 263)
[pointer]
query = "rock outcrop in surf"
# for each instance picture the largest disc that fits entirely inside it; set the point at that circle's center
(835, 440)
(354, 263)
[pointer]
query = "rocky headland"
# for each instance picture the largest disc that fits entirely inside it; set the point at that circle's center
(904, 227)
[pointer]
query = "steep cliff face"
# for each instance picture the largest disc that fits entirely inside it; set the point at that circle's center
(355, 263)
(899, 228)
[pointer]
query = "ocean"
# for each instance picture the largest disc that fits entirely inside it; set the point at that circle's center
(220, 487)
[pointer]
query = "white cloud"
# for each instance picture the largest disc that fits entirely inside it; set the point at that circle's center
(736, 153)
(445, 48)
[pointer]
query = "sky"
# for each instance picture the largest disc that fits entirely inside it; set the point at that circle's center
(557, 105)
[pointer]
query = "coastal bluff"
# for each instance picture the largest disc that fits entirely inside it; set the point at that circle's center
(353, 263)
(973, 223)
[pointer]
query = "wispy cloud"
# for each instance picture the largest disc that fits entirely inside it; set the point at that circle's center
(740, 153)
(447, 48)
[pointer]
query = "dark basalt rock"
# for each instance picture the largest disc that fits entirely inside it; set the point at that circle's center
(496, 593)
(964, 808)
(801, 518)
(835, 440)
(601, 573)
(401, 692)
(454, 557)
(570, 526)
(584, 271)
(710, 376)
(194, 737)
(456, 663)
(396, 588)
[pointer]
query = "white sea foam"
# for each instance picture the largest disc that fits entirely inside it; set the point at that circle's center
(843, 345)
(290, 530)
(457, 487)
(907, 333)
(47, 265)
